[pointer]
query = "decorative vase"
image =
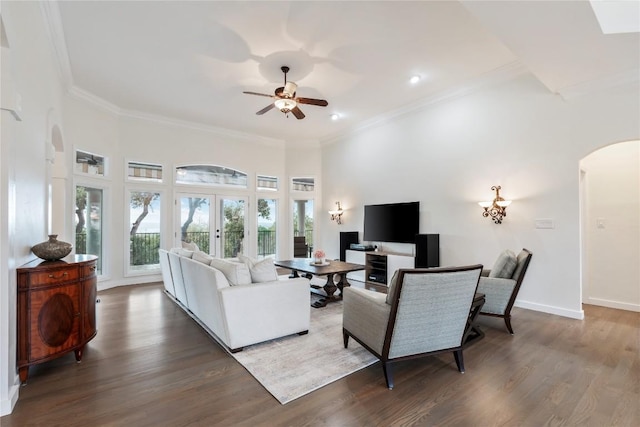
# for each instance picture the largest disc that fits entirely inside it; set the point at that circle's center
(52, 249)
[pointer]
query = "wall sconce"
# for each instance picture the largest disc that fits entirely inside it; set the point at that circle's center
(336, 215)
(497, 209)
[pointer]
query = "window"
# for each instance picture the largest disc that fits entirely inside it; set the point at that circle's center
(144, 234)
(302, 184)
(267, 228)
(267, 183)
(89, 222)
(89, 163)
(210, 175)
(138, 171)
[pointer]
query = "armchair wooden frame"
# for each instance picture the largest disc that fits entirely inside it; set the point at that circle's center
(384, 355)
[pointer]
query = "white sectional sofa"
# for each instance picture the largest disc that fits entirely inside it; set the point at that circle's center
(236, 315)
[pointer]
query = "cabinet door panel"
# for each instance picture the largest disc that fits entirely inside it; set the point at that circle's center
(54, 320)
(89, 288)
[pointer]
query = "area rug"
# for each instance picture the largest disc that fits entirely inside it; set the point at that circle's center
(293, 366)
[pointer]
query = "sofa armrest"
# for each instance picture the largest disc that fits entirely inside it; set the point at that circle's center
(365, 315)
(497, 293)
(263, 311)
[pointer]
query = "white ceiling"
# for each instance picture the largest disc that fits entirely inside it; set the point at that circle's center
(191, 61)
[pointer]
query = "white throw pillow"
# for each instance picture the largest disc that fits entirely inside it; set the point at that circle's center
(202, 257)
(505, 265)
(182, 252)
(236, 273)
(261, 271)
(190, 246)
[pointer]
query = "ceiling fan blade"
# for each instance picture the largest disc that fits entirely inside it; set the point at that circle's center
(312, 101)
(259, 94)
(298, 113)
(265, 109)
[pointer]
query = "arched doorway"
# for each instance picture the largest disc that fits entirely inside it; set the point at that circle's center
(610, 226)
(57, 184)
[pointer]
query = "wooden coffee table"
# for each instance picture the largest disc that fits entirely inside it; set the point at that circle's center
(305, 265)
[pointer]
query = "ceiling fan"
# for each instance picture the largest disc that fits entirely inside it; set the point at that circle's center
(285, 99)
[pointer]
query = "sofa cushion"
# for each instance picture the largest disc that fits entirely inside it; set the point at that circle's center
(261, 271)
(182, 252)
(202, 257)
(190, 246)
(504, 266)
(236, 273)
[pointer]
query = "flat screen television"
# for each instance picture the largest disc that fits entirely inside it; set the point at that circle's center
(393, 222)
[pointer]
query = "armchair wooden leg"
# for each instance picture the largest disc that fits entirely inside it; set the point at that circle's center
(507, 321)
(388, 374)
(345, 338)
(459, 360)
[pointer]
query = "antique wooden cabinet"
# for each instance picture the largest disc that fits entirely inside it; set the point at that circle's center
(56, 309)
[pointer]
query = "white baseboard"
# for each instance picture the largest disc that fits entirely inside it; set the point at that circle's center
(573, 314)
(7, 405)
(128, 281)
(612, 304)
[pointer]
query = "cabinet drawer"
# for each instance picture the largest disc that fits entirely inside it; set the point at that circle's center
(89, 270)
(53, 276)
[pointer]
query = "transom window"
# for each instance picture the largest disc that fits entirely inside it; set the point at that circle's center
(139, 171)
(210, 175)
(302, 184)
(268, 183)
(89, 163)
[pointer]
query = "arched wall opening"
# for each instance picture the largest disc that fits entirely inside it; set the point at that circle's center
(610, 226)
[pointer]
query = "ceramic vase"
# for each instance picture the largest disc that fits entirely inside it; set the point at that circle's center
(52, 249)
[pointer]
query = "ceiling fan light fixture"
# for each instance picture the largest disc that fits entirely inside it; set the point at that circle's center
(285, 105)
(290, 89)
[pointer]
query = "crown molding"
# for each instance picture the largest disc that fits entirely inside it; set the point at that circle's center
(625, 78)
(53, 23)
(105, 105)
(498, 75)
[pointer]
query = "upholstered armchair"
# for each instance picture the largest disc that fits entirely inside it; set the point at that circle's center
(501, 284)
(425, 312)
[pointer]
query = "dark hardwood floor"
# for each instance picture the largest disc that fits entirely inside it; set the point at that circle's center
(151, 365)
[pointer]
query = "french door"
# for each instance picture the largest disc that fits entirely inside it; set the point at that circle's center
(217, 224)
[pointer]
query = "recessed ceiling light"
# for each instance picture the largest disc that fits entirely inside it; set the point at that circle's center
(335, 116)
(415, 79)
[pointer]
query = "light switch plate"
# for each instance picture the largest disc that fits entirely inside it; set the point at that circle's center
(546, 223)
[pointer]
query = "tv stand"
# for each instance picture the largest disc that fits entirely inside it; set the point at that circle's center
(379, 267)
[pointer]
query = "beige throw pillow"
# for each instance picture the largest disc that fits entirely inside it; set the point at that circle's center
(391, 290)
(505, 265)
(236, 273)
(261, 271)
(182, 252)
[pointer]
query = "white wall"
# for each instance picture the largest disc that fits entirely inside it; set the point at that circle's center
(29, 70)
(612, 226)
(515, 134)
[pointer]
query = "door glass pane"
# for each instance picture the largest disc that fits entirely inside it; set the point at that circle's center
(233, 227)
(195, 223)
(302, 228)
(88, 222)
(144, 234)
(267, 214)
